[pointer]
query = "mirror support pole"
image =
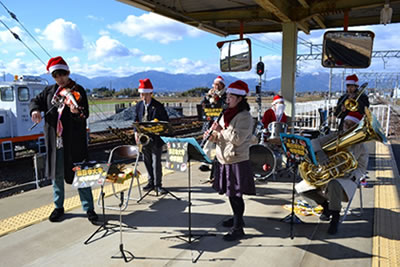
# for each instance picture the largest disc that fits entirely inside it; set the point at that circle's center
(288, 69)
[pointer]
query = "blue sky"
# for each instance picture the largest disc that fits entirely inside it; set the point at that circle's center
(103, 38)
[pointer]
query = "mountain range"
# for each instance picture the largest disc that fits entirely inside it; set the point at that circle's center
(166, 82)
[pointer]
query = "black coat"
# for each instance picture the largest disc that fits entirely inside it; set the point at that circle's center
(157, 111)
(74, 133)
(362, 103)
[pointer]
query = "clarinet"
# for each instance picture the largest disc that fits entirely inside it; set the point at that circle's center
(203, 142)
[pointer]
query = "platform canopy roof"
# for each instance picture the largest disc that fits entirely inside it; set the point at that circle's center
(223, 17)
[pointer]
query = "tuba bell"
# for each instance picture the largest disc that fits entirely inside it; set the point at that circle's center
(341, 161)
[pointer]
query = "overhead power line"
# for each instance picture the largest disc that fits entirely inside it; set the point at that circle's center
(19, 39)
(15, 18)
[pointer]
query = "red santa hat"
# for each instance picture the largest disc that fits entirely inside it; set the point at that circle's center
(56, 63)
(352, 80)
(219, 79)
(277, 99)
(238, 88)
(145, 86)
(354, 116)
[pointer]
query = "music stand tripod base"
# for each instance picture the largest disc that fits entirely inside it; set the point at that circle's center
(157, 194)
(105, 226)
(288, 219)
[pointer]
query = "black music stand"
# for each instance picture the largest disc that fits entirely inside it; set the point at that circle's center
(153, 128)
(195, 152)
(297, 149)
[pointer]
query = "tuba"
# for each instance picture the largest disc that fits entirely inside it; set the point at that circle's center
(341, 161)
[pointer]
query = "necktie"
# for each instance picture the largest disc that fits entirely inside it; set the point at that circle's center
(145, 113)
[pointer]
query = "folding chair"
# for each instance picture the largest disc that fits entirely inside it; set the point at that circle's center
(121, 154)
(359, 186)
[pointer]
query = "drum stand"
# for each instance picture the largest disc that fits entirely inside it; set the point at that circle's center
(292, 217)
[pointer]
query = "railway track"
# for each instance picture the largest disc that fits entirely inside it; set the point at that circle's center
(14, 179)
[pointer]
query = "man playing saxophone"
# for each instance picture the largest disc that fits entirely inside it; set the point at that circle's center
(150, 109)
(330, 195)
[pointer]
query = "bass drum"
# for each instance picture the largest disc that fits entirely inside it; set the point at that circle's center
(262, 160)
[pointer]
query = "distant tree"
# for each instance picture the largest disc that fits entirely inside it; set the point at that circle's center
(103, 91)
(130, 92)
(198, 91)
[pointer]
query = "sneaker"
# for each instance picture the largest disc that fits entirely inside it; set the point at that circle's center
(161, 190)
(229, 223)
(92, 216)
(204, 168)
(234, 234)
(148, 187)
(56, 215)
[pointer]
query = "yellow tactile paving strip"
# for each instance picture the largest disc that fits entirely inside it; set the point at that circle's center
(386, 240)
(37, 215)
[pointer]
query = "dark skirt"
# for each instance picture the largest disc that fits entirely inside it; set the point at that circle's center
(234, 179)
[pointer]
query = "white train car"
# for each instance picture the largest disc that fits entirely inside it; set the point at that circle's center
(15, 121)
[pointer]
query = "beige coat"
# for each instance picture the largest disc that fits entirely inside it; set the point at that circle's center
(349, 186)
(233, 142)
(361, 155)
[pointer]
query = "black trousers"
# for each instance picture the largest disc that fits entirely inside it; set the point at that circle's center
(152, 161)
(237, 205)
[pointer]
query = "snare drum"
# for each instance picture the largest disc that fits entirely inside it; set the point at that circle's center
(262, 160)
(275, 128)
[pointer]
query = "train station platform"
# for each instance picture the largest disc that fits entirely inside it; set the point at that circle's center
(28, 238)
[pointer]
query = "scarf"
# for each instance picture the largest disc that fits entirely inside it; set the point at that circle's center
(60, 109)
(229, 114)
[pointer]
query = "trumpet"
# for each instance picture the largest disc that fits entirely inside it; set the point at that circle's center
(352, 104)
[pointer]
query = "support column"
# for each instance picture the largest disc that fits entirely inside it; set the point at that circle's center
(288, 75)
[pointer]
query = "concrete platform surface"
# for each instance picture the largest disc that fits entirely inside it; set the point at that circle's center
(158, 219)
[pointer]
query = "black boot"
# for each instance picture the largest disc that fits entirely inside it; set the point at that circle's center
(326, 213)
(234, 234)
(333, 225)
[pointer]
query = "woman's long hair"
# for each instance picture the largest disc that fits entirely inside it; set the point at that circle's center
(243, 105)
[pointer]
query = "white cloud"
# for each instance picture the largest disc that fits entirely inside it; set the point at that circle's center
(104, 32)
(151, 58)
(92, 17)
(96, 70)
(185, 65)
(19, 67)
(20, 54)
(8, 38)
(64, 35)
(107, 48)
(73, 60)
(4, 51)
(155, 28)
